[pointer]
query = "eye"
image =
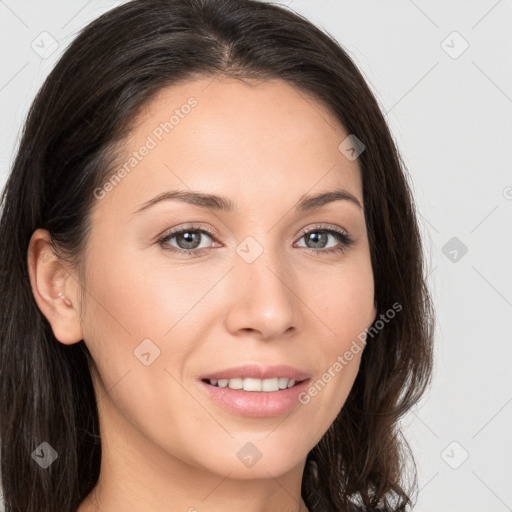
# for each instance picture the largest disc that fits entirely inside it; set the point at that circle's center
(188, 240)
(318, 236)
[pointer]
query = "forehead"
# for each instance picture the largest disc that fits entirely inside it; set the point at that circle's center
(252, 141)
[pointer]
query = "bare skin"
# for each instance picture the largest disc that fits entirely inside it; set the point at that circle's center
(165, 445)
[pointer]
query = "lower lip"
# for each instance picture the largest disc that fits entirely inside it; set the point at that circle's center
(258, 404)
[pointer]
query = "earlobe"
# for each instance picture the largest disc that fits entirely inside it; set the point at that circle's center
(53, 288)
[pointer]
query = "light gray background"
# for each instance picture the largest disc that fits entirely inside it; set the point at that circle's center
(451, 114)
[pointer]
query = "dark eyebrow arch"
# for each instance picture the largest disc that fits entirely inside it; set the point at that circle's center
(210, 201)
(307, 203)
(215, 202)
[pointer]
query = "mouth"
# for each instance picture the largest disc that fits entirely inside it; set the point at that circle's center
(256, 391)
(255, 385)
(257, 378)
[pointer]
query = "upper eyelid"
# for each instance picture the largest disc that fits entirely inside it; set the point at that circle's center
(319, 227)
(173, 232)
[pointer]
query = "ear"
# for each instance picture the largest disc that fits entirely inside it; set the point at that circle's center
(55, 289)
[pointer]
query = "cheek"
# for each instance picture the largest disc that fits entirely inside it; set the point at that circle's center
(141, 298)
(138, 299)
(343, 300)
(118, 315)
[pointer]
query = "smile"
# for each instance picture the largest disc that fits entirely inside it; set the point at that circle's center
(252, 384)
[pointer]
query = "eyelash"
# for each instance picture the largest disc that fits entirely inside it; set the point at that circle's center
(345, 239)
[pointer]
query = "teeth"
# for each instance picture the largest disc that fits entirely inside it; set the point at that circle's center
(283, 382)
(236, 383)
(250, 384)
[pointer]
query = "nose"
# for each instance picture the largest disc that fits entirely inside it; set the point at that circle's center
(262, 298)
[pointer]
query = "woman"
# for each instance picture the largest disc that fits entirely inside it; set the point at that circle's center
(211, 292)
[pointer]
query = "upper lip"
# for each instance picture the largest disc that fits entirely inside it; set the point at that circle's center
(256, 371)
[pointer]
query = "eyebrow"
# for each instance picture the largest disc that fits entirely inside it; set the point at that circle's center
(215, 202)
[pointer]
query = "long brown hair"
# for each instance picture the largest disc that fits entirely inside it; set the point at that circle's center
(113, 68)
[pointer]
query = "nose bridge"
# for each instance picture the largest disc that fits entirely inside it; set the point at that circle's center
(262, 298)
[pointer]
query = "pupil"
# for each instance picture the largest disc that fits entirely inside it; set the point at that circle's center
(188, 236)
(323, 236)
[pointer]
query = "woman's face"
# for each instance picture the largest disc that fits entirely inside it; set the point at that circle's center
(161, 317)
